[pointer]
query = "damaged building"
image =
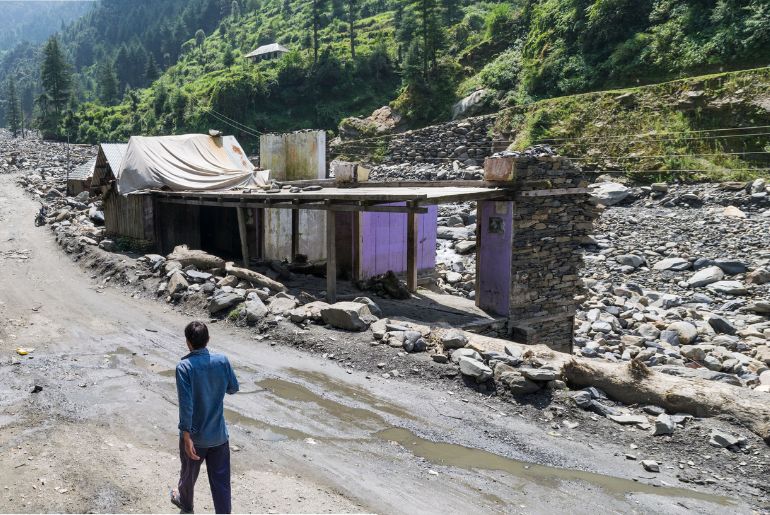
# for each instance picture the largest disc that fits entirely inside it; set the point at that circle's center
(533, 212)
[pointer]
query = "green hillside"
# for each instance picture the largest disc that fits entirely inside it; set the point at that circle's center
(419, 56)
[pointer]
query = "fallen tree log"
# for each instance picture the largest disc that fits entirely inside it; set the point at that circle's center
(254, 278)
(198, 258)
(699, 397)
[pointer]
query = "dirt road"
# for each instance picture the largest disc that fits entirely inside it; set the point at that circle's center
(310, 436)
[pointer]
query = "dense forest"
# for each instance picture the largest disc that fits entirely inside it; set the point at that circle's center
(140, 66)
(23, 20)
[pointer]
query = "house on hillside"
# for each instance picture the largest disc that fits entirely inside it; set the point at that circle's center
(267, 52)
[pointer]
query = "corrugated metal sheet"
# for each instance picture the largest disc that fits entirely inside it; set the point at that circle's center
(113, 153)
(84, 171)
(267, 49)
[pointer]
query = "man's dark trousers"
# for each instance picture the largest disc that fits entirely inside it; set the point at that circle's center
(218, 467)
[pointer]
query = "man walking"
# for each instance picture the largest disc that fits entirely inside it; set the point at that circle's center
(202, 379)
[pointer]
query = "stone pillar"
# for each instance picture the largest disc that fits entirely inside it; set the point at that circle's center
(551, 217)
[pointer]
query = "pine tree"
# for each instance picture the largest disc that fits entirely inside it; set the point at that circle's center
(235, 10)
(228, 58)
(56, 82)
(151, 71)
(12, 112)
(430, 32)
(352, 5)
(317, 6)
(107, 83)
(200, 37)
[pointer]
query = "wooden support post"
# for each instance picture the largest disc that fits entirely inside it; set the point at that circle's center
(261, 215)
(244, 235)
(411, 251)
(295, 233)
(331, 258)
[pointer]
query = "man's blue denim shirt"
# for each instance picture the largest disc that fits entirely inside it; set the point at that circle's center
(202, 379)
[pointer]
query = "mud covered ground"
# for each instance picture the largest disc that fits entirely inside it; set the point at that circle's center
(317, 428)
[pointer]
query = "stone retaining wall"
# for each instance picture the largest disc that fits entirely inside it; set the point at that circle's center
(468, 141)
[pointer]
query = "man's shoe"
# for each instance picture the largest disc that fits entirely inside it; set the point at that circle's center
(176, 501)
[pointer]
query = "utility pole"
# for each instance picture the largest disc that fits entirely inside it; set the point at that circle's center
(68, 158)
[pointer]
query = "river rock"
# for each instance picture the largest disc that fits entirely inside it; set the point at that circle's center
(686, 331)
(706, 276)
(608, 193)
(676, 264)
(729, 287)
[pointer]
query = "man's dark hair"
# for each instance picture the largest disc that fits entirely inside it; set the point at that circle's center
(197, 334)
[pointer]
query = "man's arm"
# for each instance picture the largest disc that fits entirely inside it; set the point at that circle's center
(184, 393)
(232, 381)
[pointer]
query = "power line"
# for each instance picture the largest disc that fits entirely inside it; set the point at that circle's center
(489, 144)
(606, 137)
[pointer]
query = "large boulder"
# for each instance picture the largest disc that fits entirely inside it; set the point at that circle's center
(177, 283)
(255, 310)
(382, 121)
(471, 105)
(454, 339)
(224, 301)
(476, 369)
(351, 316)
(608, 193)
(198, 258)
(281, 303)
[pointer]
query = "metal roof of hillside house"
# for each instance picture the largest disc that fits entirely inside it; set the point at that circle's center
(267, 49)
(114, 153)
(84, 171)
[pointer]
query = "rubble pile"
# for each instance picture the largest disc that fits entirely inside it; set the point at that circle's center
(680, 282)
(46, 159)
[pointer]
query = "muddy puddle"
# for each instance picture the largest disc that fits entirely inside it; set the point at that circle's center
(328, 383)
(138, 361)
(446, 454)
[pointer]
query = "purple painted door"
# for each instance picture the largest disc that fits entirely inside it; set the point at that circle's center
(494, 255)
(383, 242)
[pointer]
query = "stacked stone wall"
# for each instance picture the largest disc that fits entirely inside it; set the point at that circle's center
(468, 141)
(546, 250)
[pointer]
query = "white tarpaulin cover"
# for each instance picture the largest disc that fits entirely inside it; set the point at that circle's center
(193, 162)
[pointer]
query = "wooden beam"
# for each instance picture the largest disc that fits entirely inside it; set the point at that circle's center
(310, 207)
(295, 233)
(411, 251)
(492, 194)
(244, 235)
(261, 232)
(358, 243)
(331, 258)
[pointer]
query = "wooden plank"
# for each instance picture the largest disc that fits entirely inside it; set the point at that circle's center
(295, 233)
(411, 251)
(331, 259)
(244, 235)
